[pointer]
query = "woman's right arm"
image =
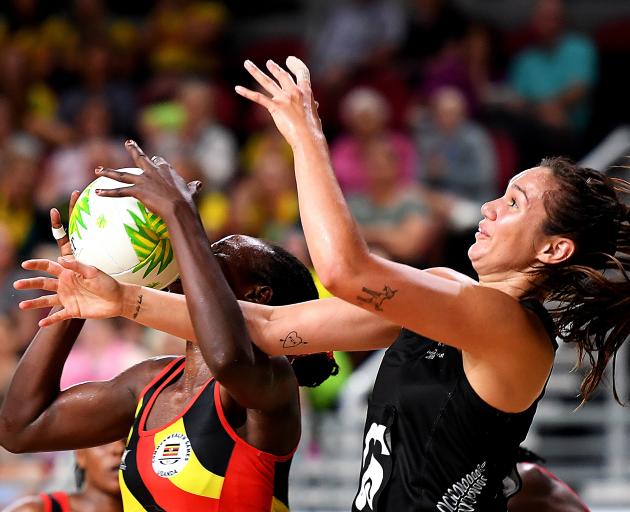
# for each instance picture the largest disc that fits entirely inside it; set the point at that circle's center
(315, 326)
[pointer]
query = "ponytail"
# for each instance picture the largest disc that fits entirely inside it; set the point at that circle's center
(589, 292)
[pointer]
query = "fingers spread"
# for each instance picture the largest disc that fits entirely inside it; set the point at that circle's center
(284, 78)
(256, 97)
(37, 283)
(267, 83)
(116, 192)
(48, 301)
(54, 318)
(139, 158)
(87, 271)
(299, 69)
(50, 267)
(122, 177)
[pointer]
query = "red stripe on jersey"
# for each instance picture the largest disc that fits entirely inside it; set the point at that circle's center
(63, 500)
(249, 479)
(46, 501)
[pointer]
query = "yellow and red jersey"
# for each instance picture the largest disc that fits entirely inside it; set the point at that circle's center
(197, 461)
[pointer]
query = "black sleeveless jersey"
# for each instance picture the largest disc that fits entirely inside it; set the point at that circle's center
(430, 442)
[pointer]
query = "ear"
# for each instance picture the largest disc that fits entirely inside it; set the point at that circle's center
(556, 250)
(260, 294)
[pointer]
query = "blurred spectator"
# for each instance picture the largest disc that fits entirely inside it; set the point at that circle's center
(16, 327)
(101, 352)
(265, 203)
(199, 134)
(555, 75)
(457, 153)
(394, 217)
(98, 83)
(186, 37)
(366, 114)
(19, 174)
(356, 33)
(72, 167)
(432, 26)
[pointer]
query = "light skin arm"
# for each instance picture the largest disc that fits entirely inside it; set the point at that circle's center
(454, 310)
(321, 324)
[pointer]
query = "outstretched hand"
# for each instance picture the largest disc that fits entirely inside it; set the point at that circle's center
(291, 104)
(81, 290)
(159, 187)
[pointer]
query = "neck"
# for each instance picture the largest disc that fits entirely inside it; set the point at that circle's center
(196, 371)
(515, 284)
(92, 499)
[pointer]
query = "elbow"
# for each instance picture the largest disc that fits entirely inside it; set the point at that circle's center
(11, 438)
(338, 276)
(228, 363)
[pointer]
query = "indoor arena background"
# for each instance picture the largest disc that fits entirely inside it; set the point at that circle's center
(79, 77)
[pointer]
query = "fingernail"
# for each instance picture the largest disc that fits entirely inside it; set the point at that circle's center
(249, 63)
(130, 142)
(98, 169)
(98, 191)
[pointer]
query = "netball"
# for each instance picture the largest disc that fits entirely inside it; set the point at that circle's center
(121, 237)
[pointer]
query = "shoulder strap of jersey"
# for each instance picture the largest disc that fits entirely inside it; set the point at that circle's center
(541, 312)
(157, 381)
(55, 502)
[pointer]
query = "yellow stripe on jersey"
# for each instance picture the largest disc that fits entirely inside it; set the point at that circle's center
(276, 506)
(193, 478)
(130, 503)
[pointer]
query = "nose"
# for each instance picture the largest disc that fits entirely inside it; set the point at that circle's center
(488, 210)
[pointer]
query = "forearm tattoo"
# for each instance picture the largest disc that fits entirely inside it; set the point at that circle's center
(138, 305)
(377, 298)
(292, 340)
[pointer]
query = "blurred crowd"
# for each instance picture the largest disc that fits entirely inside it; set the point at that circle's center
(428, 111)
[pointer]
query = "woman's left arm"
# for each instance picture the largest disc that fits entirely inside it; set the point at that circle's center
(444, 306)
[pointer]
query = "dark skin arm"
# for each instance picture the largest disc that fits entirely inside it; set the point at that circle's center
(250, 377)
(37, 416)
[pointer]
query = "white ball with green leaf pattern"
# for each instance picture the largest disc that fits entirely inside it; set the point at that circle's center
(119, 236)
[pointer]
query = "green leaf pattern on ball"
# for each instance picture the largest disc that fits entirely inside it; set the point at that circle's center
(81, 208)
(150, 241)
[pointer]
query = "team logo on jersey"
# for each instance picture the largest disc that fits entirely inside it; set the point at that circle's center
(171, 455)
(376, 467)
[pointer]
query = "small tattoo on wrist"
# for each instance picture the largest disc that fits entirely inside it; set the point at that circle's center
(377, 298)
(138, 304)
(293, 340)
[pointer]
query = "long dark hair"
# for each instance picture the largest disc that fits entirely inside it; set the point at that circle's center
(589, 292)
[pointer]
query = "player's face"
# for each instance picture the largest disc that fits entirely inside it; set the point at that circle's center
(510, 235)
(101, 465)
(234, 254)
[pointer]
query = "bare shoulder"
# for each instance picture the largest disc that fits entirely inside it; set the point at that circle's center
(136, 377)
(28, 504)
